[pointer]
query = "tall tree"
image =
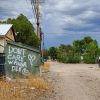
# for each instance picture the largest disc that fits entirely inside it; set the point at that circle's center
(53, 53)
(81, 46)
(65, 48)
(24, 31)
(92, 48)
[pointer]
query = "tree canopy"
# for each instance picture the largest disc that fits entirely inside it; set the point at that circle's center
(85, 50)
(53, 53)
(25, 32)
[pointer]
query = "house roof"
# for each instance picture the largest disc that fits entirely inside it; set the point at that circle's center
(4, 28)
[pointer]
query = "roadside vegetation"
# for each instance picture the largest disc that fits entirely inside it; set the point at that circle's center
(81, 51)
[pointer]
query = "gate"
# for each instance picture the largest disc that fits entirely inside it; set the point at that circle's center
(2, 64)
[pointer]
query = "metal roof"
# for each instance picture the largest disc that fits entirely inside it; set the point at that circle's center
(4, 28)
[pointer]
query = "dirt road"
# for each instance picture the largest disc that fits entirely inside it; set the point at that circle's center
(76, 81)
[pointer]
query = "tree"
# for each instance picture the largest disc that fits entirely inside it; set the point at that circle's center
(81, 46)
(98, 51)
(24, 31)
(90, 56)
(45, 54)
(65, 48)
(92, 48)
(78, 46)
(87, 40)
(53, 53)
(87, 47)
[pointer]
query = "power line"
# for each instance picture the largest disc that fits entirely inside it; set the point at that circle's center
(31, 9)
(33, 6)
(34, 12)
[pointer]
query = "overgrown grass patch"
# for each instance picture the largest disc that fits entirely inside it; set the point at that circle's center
(22, 89)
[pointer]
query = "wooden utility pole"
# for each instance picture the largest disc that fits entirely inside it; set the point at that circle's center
(38, 17)
(39, 31)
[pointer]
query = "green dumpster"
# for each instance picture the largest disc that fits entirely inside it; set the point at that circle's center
(21, 60)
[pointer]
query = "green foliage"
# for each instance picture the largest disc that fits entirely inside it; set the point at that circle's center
(98, 51)
(87, 47)
(65, 48)
(87, 40)
(45, 54)
(53, 53)
(69, 58)
(92, 48)
(89, 58)
(24, 31)
(80, 46)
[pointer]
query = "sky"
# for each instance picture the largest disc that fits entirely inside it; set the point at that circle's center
(62, 21)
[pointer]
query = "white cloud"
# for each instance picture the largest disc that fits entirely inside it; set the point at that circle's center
(70, 14)
(57, 15)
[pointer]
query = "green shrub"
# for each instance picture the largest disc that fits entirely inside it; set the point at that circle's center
(89, 58)
(69, 58)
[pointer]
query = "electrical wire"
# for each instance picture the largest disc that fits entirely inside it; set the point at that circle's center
(33, 8)
(32, 11)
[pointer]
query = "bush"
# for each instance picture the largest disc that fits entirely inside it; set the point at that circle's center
(89, 58)
(69, 58)
(73, 58)
(76, 58)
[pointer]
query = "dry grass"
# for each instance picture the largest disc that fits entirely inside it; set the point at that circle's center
(20, 89)
(45, 67)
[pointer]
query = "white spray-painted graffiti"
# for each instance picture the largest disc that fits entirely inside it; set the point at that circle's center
(31, 58)
(16, 59)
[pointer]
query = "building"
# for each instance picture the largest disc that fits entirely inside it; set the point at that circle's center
(6, 34)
